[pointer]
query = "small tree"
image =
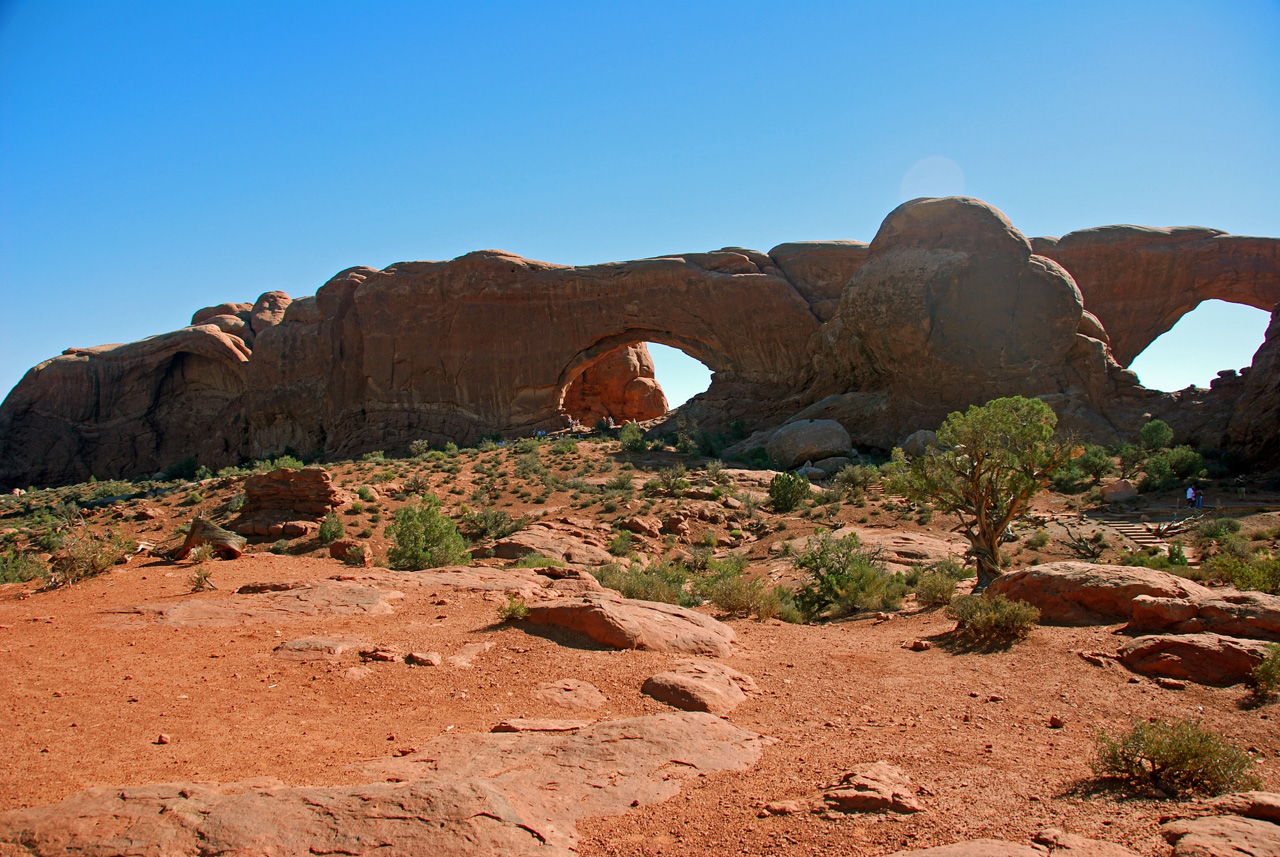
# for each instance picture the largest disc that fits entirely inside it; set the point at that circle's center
(988, 465)
(1155, 435)
(424, 538)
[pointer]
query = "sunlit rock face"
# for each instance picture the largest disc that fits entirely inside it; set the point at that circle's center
(949, 305)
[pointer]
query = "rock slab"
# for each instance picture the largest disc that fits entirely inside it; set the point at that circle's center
(627, 623)
(701, 686)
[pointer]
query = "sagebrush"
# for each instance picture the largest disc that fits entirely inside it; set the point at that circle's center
(1174, 758)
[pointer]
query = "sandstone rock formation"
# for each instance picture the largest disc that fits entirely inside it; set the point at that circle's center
(511, 793)
(274, 499)
(948, 306)
(619, 386)
(701, 686)
(626, 623)
(807, 440)
(1202, 658)
(1079, 593)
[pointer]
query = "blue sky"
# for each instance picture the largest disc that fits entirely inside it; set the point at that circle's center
(160, 157)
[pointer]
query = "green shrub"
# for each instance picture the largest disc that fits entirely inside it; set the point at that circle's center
(935, 590)
(377, 456)
(17, 567)
(620, 544)
(1038, 540)
(1131, 459)
(853, 479)
(514, 610)
(739, 596)
(564, 447)
(537, 560)
(364, 494)
(331, 529)
(1155, 435)
(529, 466)
(490, 523)
(1175, 758)
(1215, 529)
(663, 582)
(1266, 675)
(280, 547)
(843, 579)
(1096, 462)
(992, 620)
(671, 479)
(1259, 572)
(1174, 559)
(787, 491)
(86, 554)
(632, 438)
(424, 538)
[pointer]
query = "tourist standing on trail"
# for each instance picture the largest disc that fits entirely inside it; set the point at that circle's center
(1240, 486)
(1191, 497)
(1199, 499)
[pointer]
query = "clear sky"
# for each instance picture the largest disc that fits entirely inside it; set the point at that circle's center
(160, 157)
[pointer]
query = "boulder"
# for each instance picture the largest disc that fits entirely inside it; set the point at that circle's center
(626, 623)
(1252, 615)
(1223, 836)
(832, 466)
(352, 551)
(284, 495)
(879, 787)
(240, 311)
(917, 442)
(807, 440)
(1074, 845)
(1202, 658)
(1081, 593)
(572, 693)
(619, 385)
(268, 310)
(1264, 806)
(1118, 491)
(701, 686)
(561, 543)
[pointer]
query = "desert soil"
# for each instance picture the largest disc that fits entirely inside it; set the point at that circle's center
(92, 683)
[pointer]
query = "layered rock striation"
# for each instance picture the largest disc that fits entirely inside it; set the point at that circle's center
(949, 305)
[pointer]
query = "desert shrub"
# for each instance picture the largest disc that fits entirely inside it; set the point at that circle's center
(201, 553)
(364, 493)
(1214, 529)
(843, 579)
(490, 523)
(992, 620)
(18, 567)
(632, 438)
(377, 456)
(853, 479)
(935, 590)
(86, 554)
(1174, 758)
(537, 560)
(663, 582)
(1266, 675)
(420, 448)
(530, 466)
(1131, 458)
(199, 580)
(1155, 435)
(1259, 572)
(1165, 469)
(1069, 479)
(514, 610)
(1038, 540)
(787, 491)
(424, 538)
(1096, 463)
(671, 479)
(740, 596)
(715, 471)
(620, 544)
(331, 529)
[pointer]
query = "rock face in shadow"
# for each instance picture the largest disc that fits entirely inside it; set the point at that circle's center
(950, 305)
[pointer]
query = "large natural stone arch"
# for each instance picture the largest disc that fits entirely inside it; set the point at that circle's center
(488, 343)
(1139, 280)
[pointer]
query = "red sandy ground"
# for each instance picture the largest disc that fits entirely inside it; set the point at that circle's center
(88, 691)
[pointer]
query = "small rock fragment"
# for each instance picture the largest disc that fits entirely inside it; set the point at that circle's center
(423, 659)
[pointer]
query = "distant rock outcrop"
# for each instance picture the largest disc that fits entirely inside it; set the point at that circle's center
(948, 306)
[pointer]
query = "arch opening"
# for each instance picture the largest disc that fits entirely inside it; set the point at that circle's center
(1215, 336)
(633, 381)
